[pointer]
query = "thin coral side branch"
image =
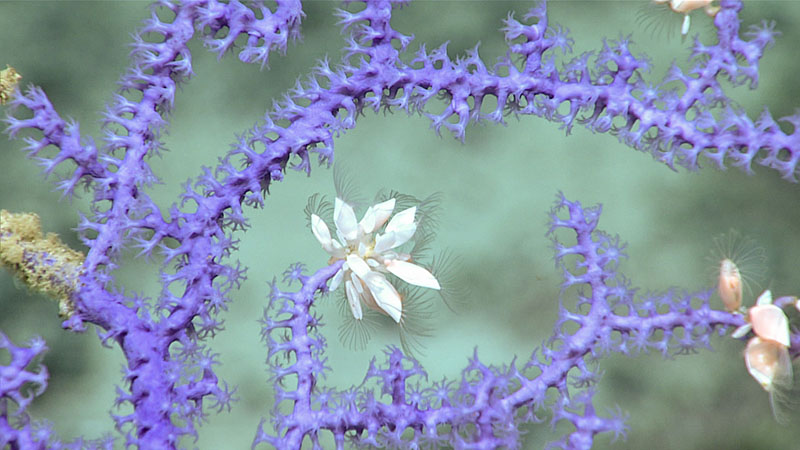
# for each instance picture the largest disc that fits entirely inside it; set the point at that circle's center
(483, 409)
(19, 385)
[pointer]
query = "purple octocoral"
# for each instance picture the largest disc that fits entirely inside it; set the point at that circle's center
(170, 378)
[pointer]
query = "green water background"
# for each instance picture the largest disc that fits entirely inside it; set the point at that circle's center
(497, 188)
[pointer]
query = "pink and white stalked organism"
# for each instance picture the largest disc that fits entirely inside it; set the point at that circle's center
(741, 262)
(685, 7)
(767, 354)
(730, 285)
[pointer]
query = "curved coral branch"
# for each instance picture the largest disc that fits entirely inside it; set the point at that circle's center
(18, 387)
(677, 125)
(392, 408)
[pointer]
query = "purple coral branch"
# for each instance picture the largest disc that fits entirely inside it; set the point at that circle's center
(675, 127)
(290, 331)
(18, 387)
(165, 382)
(161, 382)
(486, 407)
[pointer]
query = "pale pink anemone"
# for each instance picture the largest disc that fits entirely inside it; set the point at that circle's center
(368, 255)
(686, 6)
(767, 354)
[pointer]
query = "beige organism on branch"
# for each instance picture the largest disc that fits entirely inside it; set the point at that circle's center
(42, 262)
(9, 78)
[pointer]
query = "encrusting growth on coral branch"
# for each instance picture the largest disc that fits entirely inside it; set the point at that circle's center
(42, 262)
(9, 78)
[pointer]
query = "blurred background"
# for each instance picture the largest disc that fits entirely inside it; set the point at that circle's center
(497, 188)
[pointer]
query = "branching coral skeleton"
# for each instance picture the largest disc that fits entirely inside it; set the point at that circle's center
(170, 380)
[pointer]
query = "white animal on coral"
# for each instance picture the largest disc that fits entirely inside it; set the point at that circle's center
(368, 255)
